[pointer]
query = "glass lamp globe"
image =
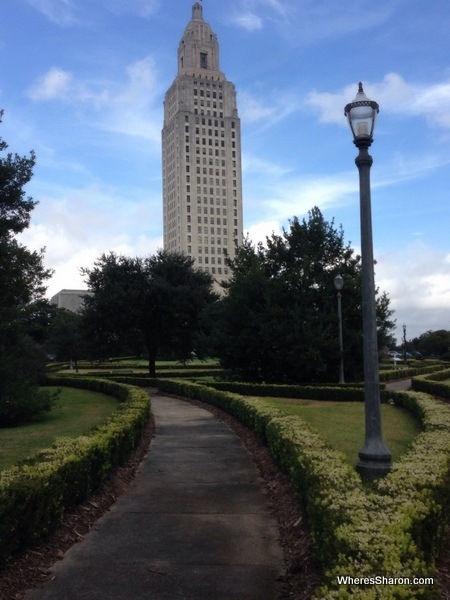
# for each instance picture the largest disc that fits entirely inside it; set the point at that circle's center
(361, 115)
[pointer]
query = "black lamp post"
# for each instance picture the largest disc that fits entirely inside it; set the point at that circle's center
(338, 284)
(374, 456)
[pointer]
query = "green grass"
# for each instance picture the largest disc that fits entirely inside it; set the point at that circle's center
(341, 424)
(75, 413)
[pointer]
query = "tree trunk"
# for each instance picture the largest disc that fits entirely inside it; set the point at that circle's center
(152, 354)
(152, 366)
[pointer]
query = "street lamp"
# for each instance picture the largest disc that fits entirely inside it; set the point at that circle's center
(338, 284)
(374, 456)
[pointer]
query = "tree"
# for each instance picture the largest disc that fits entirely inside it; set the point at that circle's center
(22, 277)
(65, 340)
(155, 301)
(278, 321)
(434, 343)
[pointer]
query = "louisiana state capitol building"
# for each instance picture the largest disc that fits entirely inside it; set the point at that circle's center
(201, 147)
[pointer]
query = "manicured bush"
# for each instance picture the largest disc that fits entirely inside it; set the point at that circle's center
(404, 372)
(341, 393)
(23, 402)
(177, 373)
(35, 494)
(433, 383)
(22, 368)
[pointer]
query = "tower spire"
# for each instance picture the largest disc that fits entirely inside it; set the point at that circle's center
(197, 11)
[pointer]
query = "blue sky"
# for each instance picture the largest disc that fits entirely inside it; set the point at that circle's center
(82, 82)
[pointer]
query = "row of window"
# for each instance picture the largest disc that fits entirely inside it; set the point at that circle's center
(213, 271)
(208, 94)
(207, 84)
(210, 122)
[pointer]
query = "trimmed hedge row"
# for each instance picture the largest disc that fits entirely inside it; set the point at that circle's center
(172, 373)
(431, 384)
(404, 372)
(342, 393)
(35, 494)
(110, 366)
(393, 528)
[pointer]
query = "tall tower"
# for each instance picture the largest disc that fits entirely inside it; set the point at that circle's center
(201, 148)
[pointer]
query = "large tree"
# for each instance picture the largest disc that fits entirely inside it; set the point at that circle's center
(433, 343)
(155, 301)
(278, 321)
(22, 274)
(22, 277)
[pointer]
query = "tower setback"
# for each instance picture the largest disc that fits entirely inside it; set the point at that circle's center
(201, 148)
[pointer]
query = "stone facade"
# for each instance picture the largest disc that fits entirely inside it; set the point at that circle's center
(201, 147)
(70, 299)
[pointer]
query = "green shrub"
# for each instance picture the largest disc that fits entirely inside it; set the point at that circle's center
(34, 495)
(433, 383)
(341, 393)
(22, 368)
(22, 402)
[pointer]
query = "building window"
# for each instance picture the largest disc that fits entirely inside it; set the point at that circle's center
(203, 60)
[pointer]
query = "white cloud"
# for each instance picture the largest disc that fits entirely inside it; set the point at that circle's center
(143, 8)
(258, 232)
(54, 85)
(253, 164)
(277, 105)
(434, 103)
(252, 13)
(73, 12)
(125, 107)
(394, 95)
(280, 200)
(61, 12)
(252, 110)
(139, 88)
(248, 21)
(417, 279)
(77, 225)
(142, 83)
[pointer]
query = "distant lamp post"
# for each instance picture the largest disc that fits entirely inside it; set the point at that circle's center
(374, 456)
(338, 284)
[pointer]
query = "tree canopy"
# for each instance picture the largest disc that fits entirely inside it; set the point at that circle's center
(433, 343)
(278, 320)
(22, 285)
(155, 302)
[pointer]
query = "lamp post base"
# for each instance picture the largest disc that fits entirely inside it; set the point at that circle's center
(375, 459)
(371, 467)
(372, 470)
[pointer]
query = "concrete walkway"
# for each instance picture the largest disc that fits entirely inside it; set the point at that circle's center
(195, 524)
(399, 384)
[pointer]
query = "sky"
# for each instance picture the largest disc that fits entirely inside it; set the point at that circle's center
(82, 82)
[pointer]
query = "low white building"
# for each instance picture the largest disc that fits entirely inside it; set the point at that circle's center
(70, 299)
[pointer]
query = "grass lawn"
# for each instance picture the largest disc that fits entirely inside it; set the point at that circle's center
(75, 413)
(341, 424)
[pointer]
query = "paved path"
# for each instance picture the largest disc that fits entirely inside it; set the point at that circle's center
(195, 525)
(399, 384)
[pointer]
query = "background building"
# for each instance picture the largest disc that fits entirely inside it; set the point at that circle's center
(201, 147)
(70, 299)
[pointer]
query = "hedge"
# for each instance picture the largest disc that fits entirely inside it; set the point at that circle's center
(188, 373)
(404, 372)
(341, 393)
(107, 365)
(35, 494)
(431, 384)
(393, 528)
